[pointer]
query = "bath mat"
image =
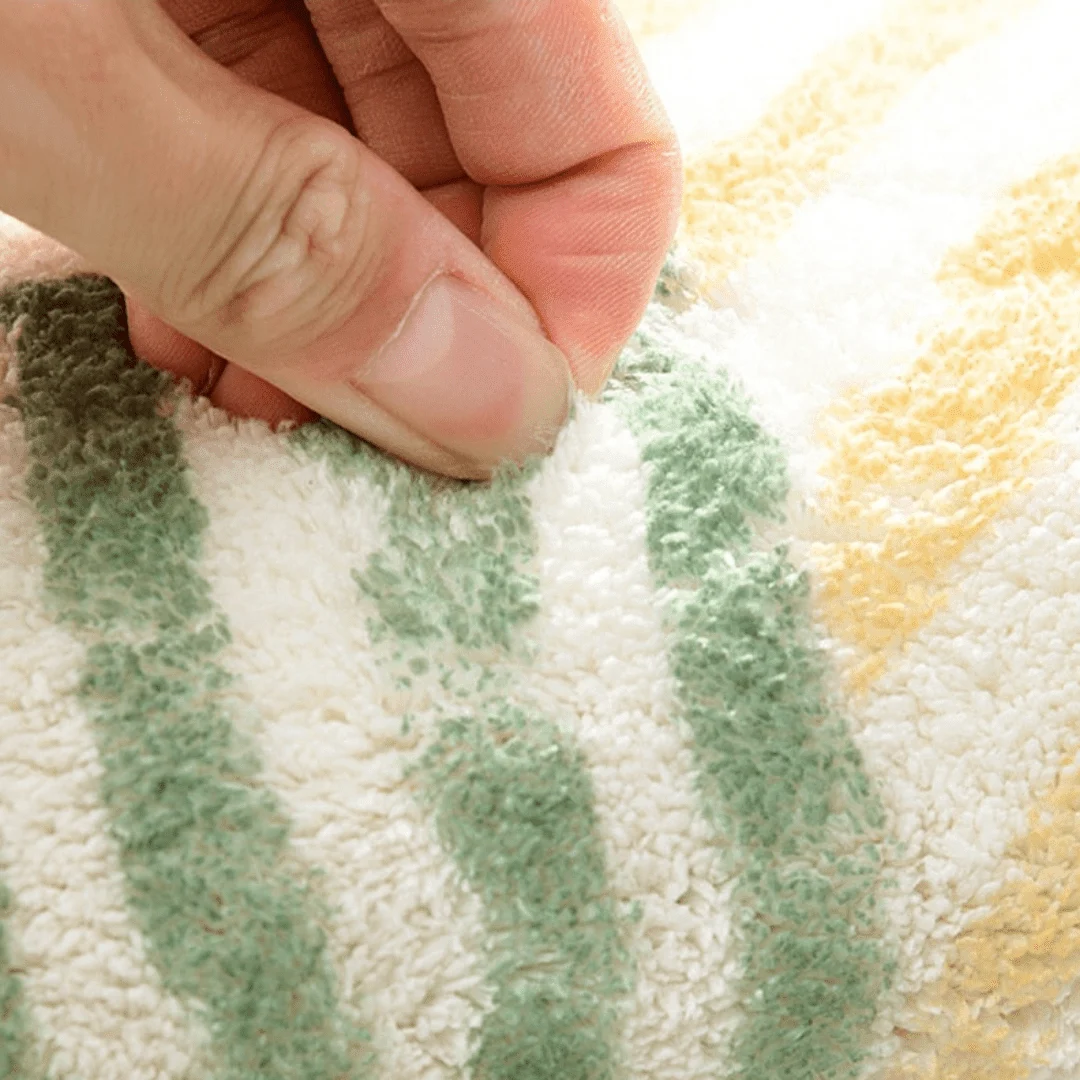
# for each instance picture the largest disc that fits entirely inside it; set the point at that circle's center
(738, 739)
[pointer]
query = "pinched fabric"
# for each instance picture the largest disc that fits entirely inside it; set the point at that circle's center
(734, 741)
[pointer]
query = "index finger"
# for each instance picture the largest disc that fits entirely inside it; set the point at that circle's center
(531, 88)
(548, 104)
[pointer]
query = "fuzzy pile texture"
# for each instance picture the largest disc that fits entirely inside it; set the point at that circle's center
(736, 741)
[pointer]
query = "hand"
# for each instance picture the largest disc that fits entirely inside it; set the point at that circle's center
(515, 183)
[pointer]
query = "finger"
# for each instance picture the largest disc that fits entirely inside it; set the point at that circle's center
(461, 202)
(587, 247)
(270, 236)
(165, 348)
(390, 95)
(242, 394)
(547, 102)
(160, 345)
(268, 43)
(271, 44)
(529, 88)
(229, 387)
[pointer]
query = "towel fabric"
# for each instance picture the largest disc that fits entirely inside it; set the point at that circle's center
(738, 739)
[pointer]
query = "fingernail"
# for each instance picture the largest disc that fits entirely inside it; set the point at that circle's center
(470, 378)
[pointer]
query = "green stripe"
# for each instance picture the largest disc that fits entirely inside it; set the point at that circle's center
(511, 795)
(780, 778)
(514, 803)
(17, 1056)
(229, 918)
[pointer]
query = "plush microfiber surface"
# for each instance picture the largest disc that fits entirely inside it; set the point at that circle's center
(203, 849)
(736, 740)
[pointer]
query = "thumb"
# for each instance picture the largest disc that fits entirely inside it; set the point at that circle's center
(270, 236)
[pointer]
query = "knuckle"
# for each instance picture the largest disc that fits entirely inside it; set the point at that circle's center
(294, 249)
(230, 34)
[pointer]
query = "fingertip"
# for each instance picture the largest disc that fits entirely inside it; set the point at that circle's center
(229, 387)
(167, 349)
(591, 372)
(246, 396)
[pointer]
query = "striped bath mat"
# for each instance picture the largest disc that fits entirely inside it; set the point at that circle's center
(736, 740)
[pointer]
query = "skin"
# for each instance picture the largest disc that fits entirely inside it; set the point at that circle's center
(530, 127)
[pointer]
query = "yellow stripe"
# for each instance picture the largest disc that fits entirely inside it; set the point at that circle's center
(1019, 281)
(1022, 955)
(743, 193)
(647, 18)
(921, 464)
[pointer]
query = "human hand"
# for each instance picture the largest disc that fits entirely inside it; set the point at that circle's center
(512, 160)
